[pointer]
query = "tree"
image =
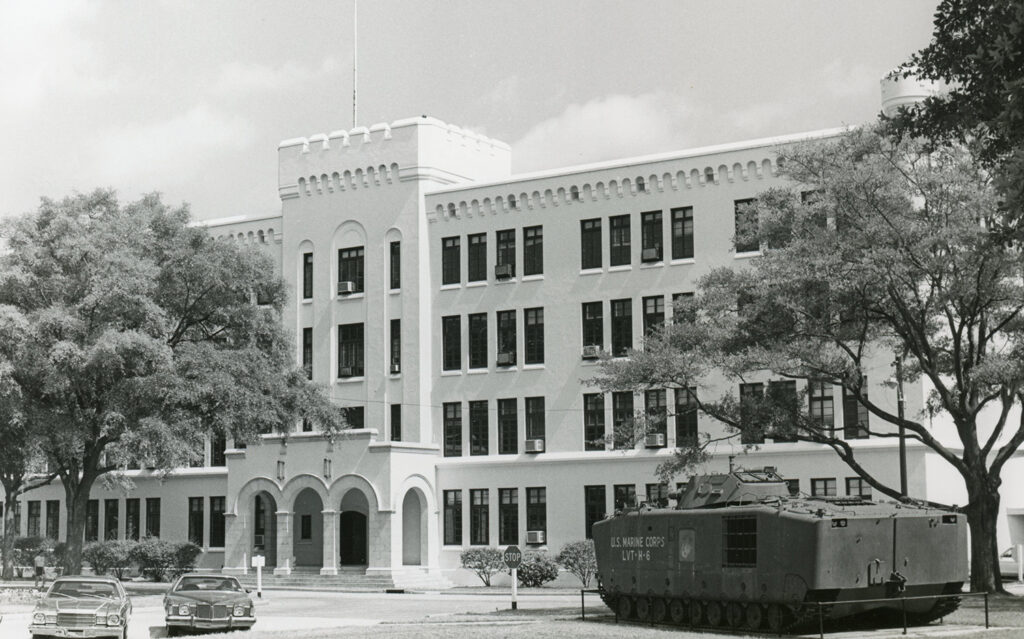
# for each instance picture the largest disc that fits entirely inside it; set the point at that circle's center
(579, 558)
(884, 250)
(143, 338)
(484, 562)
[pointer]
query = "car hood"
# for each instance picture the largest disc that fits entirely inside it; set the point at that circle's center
(104, 606)
(207, 596)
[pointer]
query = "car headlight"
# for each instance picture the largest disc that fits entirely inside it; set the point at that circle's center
(183, 609)
(113, 619)
(241, 611)
(39, 618)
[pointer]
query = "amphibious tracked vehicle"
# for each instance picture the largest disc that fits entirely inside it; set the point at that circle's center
(738, 550)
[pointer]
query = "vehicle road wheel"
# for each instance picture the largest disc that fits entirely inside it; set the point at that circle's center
(714, 614)
(696, 613)
(755, 617)
(775, 617)
(733, 614)
(658, 610)
(625, 607)
(677, 611)
(643, 608)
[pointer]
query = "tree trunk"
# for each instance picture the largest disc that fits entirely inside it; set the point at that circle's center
(76, 494)
(10, 534)
(982, 512)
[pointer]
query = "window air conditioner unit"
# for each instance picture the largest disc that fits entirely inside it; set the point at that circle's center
(535, 445)
(591, 351)
(504, 271)
(650, 255)
(535, 536)
(506, 358)
(655, 440)
(345, 371)
(396, 368)
(257, 540)
(346, 288)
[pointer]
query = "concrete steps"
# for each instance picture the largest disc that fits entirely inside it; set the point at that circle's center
(347, 580)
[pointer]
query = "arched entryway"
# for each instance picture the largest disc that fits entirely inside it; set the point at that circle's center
(308, 529)
(264, 529)
(352, 529)
(414, 528)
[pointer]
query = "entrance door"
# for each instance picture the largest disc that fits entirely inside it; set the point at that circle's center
(353, 538)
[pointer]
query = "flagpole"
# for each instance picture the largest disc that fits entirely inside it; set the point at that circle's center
(355, 50)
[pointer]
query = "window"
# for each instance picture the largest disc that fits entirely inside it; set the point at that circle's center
(132, 517)
(508, 427)
(686, 416)
(152, 516)
(783, 398)
(111, 510)
(593, 324)
(218, 445)
(534, 418)
(622, 327)
(92, 520)
(217, 522)
(53, 519)
(625, 496)
(450, 256)
(350, 350)
(622, 418)
(508, 516)
(396, 422)
(857, 487)
(307, 425)
(17, 517)
(651, 237)
(35, 514)
(750, 399)
(682, 233)
(819, 396)
(618, 236)
(533, 333)
(307, 351)
(506, 242)
(478, 340)
(478, 443)
(356, 416)
(452, 429)
(453, 517)
(477, 271)
(657, 411)
(593, 508)
(590, 243)
(824, 487)
(593, 422)
(746, 226)
(396, 266)
(350, 267)
(506, 338)
(536, 509)
(451, 337)
(657, 494)
(305, 528)
(855, 414)
(195, 520)
(739, 541)
(396, 346)
(654, 313)
(479, 535)
(307, 276)
(533, 250)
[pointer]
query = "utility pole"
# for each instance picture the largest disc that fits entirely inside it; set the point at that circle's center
(900, 408)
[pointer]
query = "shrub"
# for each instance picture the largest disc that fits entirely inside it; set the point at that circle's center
(537, 569)
(483, 561)
(578, 558)
(113, 556)
(154, 557)
(184, 556)
(26, 549)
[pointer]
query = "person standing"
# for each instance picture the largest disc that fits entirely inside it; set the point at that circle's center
(40, 564)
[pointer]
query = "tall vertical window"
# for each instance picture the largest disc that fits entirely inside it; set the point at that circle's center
(195, 520)
(593, 508)
(396, 346)
(92, 520)
(682, 233)
(477, 267)
(350, 267)
(350, 350)
(657, 494)
(506, 321)
(396, 422)
(111, 510)
(506, 245)
(590, 243)
(17, 517)
(593, 324)
(478, 340)
(508, 427)
(686, 416)
(35, 515)
(453, 517)
(450, 257)
(478, 426)
(822, 410)
(218, 445)
(217, 522)
(355, 416)
(857, 487)
(152, 516)
(533, 332)
(855, 414)
(452, 429)
(132, 518)
(654, 313)
(823, 487)
(307, 276)
(53, 519)
(622, 417)
(534, 417)
(750, 395)
(395, 281)
(307, 351)
(746, 226)
(622, 327)
(479, 505)
(451, 338)
(536, 509)
(593, 421)
(651, 237)
(533, 250)
(782, 394)
(508, 516)
(619, 240)
(657, 411)
(625, 496)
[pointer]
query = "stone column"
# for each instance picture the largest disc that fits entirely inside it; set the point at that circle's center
(284, 543)
(379, 538)
(330, 542)
(236, 548)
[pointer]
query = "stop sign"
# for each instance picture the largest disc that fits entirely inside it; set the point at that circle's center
(513, 557)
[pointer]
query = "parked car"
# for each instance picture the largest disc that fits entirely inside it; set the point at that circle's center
(1008, 564)
(204, 602)
(82, 607)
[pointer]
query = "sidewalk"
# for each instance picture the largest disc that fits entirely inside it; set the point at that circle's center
(133, 587)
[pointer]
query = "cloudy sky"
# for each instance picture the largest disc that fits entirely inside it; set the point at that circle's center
(191, 98)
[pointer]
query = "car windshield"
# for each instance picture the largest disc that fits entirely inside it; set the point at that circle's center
(86, 589)
(207, 583)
